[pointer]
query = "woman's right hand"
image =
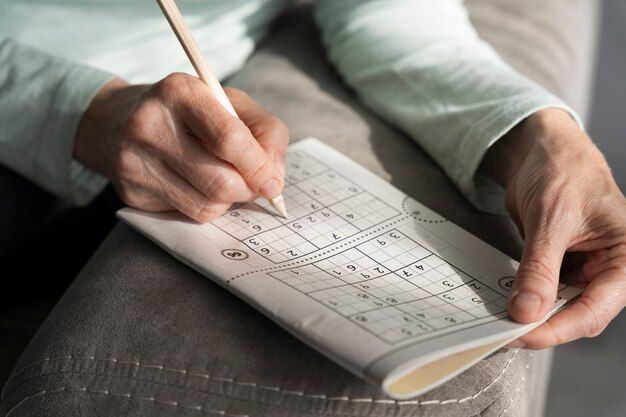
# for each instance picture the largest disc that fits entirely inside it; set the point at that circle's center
(172, 145)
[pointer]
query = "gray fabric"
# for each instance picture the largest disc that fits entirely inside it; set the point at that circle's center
(138, 323)
(541, 364)
(140, 334)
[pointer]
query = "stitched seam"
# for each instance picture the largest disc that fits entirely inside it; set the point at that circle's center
(258, 401)
(152, 399)
(514, 396)
(222, 412)
(231, 398)
(123, 395)
(482, 391)
(257, 386)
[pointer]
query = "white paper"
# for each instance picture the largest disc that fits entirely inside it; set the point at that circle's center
(359, 271)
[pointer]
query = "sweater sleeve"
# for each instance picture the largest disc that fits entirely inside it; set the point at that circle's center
(421, 65)
(42, 99)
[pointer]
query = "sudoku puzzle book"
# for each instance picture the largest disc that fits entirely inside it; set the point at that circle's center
(360, 271)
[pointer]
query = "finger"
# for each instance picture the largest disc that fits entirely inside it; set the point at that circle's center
(603, 298)
(215, 178)
(180, 194)
(160, 180)
(584, 318)
(228, 138)
(147, 201)
(271, 132)
(139, 198)
(536, 282)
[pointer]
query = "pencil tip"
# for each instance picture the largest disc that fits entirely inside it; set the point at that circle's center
(278, 203)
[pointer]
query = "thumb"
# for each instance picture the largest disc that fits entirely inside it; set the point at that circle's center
(537, 279)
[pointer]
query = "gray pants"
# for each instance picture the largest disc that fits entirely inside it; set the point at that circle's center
(140, 334)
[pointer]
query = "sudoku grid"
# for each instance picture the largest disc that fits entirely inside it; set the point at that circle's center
(324, 208)
(394, 288)
(389, 285)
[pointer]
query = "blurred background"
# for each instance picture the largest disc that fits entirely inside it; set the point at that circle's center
(588, 375)
(608, 110)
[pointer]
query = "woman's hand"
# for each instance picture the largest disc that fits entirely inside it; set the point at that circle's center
(171, 145)
(572, 216)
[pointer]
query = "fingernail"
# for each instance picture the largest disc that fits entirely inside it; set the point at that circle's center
(270, 189)
(516, 344)
(527, 302)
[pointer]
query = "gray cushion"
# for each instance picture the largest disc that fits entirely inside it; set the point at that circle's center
(139, 333)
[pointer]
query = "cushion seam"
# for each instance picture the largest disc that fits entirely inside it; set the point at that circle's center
(252, 385)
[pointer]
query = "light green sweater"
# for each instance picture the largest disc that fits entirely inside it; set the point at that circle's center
(419, 64)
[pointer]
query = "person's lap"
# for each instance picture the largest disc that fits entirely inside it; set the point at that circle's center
(138, 333)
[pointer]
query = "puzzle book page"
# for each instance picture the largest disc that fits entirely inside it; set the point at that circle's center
(359, 270)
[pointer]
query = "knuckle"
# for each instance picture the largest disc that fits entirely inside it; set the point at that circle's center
(132, 127)
(128, 195)
(553, 340)
(223, 187)
(138, 127)
(260, 173)
(538, 272)
(599, 319)
(125, 166)
(597, 327)
(205, 211)
(171, 85)
(231, 136)
(196, 211)
(595, 331)
(277, 126)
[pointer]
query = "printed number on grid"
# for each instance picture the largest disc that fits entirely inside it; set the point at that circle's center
(395, 288)
(388, 284)
(324, 208)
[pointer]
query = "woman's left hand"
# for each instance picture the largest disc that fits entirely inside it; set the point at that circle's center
(572, 215)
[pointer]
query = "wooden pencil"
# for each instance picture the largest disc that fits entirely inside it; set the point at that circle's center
(175, 19)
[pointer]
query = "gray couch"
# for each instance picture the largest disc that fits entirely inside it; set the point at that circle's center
(140, 334)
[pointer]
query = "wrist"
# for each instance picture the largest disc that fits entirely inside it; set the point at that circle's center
(552, 130)
(99, 120)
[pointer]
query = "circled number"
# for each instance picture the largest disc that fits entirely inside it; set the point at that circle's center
(235, 254)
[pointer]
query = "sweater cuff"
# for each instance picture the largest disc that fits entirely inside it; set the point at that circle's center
(482, 191)
(72, 97)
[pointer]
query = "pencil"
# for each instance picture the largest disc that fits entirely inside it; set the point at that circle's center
(175, 19)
